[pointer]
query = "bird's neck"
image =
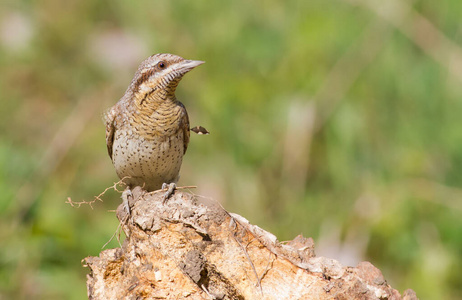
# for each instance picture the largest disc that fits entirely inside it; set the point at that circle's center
(153, 100)
(156, 113)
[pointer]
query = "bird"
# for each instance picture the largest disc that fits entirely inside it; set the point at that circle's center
(147, 130)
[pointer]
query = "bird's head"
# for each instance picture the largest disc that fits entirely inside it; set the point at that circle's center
(159, 75)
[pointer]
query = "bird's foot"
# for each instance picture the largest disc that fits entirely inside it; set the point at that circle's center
(170, 188)
(127, 195)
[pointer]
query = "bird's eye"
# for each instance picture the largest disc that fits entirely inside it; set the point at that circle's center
(161, 65)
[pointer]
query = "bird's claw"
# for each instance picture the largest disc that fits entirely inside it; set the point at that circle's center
(170, 188)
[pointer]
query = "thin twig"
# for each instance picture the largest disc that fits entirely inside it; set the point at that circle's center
(250, 261)
(187, 187)
(267, 267)
(114, 235)
(97, 198)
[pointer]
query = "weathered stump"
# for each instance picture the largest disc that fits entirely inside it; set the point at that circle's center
(191, 248)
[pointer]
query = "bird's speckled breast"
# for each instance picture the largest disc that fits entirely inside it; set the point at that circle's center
(148, 163)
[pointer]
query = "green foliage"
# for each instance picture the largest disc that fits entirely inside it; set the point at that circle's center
(325, 120)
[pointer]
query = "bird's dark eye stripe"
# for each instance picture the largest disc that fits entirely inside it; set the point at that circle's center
(144, 76)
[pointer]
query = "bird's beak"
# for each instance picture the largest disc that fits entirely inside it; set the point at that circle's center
(187, 65)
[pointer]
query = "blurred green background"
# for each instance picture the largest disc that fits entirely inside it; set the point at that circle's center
(339, 120)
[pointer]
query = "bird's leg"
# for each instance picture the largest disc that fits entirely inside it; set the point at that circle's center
(126, 195)
(170, 188)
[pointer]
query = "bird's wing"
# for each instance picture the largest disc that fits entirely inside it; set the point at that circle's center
(184, 125)
(110, 128)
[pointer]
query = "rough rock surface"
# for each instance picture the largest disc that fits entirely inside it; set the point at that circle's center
(191, 248)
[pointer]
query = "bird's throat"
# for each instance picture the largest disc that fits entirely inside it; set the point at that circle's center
(157, 115)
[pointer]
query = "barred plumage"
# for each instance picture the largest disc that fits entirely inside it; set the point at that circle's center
(147, 131)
